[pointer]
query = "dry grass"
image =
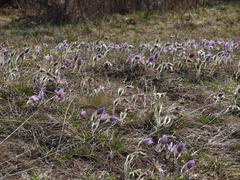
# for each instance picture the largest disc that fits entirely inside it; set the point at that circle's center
(49, 139)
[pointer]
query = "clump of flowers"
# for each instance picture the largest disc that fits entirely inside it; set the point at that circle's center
(172, 152)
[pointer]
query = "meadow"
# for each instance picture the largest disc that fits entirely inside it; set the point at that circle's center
(137, 96)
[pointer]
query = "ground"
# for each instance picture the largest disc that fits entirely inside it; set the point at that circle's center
(62, 133)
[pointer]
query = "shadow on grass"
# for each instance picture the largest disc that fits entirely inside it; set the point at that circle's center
(33, 21)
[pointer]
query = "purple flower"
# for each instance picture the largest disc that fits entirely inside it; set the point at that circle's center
(83, 113)
(226, 46)
(164, 139)
(60, 93)
(114, 119)
(104, 118)
(171, 147)
(48, 58)
(42, 92)
(78, 60)
(191, 164)
(34, 99)
(225, 56)
(180, 147)
(39, 97)
(100, 110)
(148, 141)
(151, 58)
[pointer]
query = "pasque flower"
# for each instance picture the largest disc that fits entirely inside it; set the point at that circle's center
(60, 93)
(48, 58)
(151, 58)
(114, 119)
(191, 164)
(180, 147)
(104, 117)
(172, 147)
(83, 113)
(42, 92)
(78, 60)
(164, 139)
(100, 111)
(34, 99)
(37, 98)
(148, 141)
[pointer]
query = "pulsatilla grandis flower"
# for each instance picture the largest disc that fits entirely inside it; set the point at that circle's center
(60, 93)
(78, 60)
(104, 117)
(37, 98)
(171, 147)
(100, 111)
(191, 164)
(33, 99)
(82, 113)
(152, 58)
(180, 147)
(42, 92)
(48, 58)
(148, 141)
(164, 139)
(114, 119)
